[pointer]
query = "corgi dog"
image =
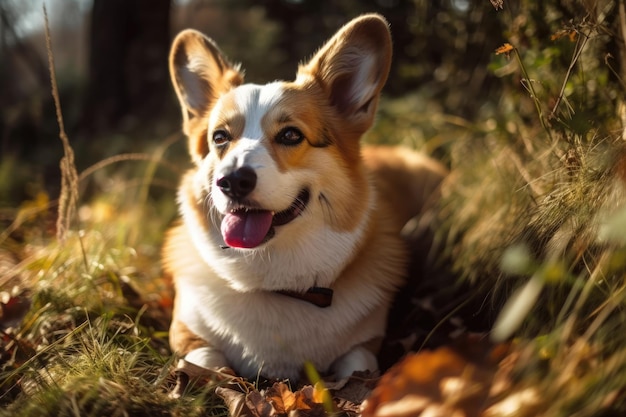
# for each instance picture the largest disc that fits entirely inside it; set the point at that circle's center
(289, 249)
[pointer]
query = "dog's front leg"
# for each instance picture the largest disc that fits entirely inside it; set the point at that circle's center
(201, 365)
(200, 361)
(207, 357)
(359, 358)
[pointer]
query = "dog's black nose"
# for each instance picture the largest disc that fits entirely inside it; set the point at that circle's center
(238, 183)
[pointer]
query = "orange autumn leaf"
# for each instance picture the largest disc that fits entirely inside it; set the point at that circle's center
(304, 398)
(319, 393)
(281, 398)
(504, 49)
(445, 381)
(277, 400)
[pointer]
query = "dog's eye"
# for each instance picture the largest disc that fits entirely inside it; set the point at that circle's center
(289, 136)
(221, 137)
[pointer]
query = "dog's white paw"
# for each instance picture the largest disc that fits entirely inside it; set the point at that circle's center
(207, 357)
(358, 359)
(202, 364)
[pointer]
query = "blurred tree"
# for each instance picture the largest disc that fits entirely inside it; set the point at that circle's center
(127, 74)
(23, 75)
(443, 47)
(15, 51)
(307, 24)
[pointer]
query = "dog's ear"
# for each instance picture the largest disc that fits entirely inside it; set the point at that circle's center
(200, 74)
(352, 68)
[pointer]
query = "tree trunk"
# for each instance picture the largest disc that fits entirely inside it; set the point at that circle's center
(127, 74)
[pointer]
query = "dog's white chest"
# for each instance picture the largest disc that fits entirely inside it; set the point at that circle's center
(269, 333)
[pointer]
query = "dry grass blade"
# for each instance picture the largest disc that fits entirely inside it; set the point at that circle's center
(69, 177)
(580, 46)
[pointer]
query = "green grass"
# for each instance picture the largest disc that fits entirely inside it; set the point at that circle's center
(105, 366)
(533, 216)
(94, 341)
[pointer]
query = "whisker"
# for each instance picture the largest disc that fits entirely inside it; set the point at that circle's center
(211, 210)
(301, 205)
(329, 213)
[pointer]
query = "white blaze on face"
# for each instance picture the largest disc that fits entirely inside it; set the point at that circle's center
(253, 102)
(274, 190)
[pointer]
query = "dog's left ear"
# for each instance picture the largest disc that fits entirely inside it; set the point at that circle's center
(352, 68)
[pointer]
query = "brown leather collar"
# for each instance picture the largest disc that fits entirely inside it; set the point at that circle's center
(318, 296)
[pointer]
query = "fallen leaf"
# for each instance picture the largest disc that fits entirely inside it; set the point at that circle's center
(258, 405)
(235, 401)
(281, 398)
(305, 397)
(354, 389)
(278, 400)
(12, 310)
(443, 382)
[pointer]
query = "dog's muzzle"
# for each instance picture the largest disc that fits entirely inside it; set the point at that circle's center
(249, 227)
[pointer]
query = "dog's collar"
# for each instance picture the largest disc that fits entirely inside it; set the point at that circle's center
(318, 296)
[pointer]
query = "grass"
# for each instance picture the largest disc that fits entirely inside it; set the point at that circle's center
(102, 367)
(94, 340)
(533, 217)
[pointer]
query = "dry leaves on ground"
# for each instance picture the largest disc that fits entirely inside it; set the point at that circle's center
(278, 400)
(472, 379)
(449, 382)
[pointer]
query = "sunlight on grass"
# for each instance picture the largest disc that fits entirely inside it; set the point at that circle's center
(94, 340)
(102, 367)
(534, 217)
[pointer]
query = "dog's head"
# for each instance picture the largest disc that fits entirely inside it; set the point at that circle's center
(279, 164)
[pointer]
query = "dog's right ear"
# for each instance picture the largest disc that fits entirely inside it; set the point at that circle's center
(200, 74)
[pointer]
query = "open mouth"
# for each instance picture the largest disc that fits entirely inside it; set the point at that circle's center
(248, 227)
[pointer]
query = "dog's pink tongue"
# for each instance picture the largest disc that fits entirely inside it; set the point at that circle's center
(246, 229)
